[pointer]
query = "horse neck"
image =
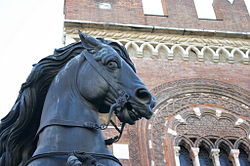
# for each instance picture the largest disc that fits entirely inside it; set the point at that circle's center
(64, 103)
(64, 99)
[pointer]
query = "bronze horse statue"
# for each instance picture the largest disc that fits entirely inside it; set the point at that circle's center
(55, 119)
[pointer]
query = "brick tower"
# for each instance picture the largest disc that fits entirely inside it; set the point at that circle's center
(196, 63)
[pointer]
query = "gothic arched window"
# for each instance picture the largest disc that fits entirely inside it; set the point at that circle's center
(243, 157)
(200, 126)
(204, 157)
(224, 158)
(185, 159)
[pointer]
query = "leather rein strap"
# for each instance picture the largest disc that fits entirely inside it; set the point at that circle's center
(103, 72)
(122, 96)
(94, 155)
(120, 102)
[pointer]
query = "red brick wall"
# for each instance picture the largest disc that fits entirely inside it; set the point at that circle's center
(156, 72)
(181, 14)
(127, 12)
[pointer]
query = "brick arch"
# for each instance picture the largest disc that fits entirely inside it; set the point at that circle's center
(184, 141)
(244, 145)
(216, 123)
(205, 142)
(242, 142)
(180, 97)
(222, 142)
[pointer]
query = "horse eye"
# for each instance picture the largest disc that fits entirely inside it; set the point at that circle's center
(112, 65)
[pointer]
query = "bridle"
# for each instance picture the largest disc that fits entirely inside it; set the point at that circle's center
(122, 96)
(122, 99)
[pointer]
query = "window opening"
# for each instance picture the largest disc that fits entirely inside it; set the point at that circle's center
(185, 159)
(205, 9)
(153, 7)
(231, 1)
(243, 157)
(247, 2)
(204, 158)
(224, 160)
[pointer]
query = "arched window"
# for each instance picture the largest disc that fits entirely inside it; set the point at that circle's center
(224, 160)
(204, 158)
(185, 159)
(243, 157)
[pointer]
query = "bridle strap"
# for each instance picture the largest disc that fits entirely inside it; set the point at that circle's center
(117, 106)
(67, 123)
(83, 124)
(110, 141)
(120, 102)
(122, 97)
(49, 154)
(103, 72)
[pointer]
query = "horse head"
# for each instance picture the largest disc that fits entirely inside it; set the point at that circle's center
(115, 81)
(102, 73)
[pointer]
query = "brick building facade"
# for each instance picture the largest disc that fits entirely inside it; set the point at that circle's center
(198, 69)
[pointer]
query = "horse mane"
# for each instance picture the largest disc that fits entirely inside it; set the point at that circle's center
(18, 128)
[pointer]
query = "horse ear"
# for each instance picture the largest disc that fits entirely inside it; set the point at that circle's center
(88, 41)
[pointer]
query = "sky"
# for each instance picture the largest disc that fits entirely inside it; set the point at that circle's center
(30, 30)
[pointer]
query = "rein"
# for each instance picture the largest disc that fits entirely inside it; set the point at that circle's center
(122, 99)
(81, 156)
(85, 156)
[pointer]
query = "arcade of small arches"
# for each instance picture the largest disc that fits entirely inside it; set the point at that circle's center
(205, 135)
(189, 52)
(206, 153)
(198, 122)
(178, 48)
(214, 140)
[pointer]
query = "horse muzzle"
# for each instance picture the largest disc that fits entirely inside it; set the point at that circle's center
(139, 105)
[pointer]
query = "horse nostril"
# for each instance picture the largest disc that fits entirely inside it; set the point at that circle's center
(143, 95)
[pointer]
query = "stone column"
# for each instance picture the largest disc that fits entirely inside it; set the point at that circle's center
(195, 156)
(234, 157)
(177, 155)
(215, 153)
